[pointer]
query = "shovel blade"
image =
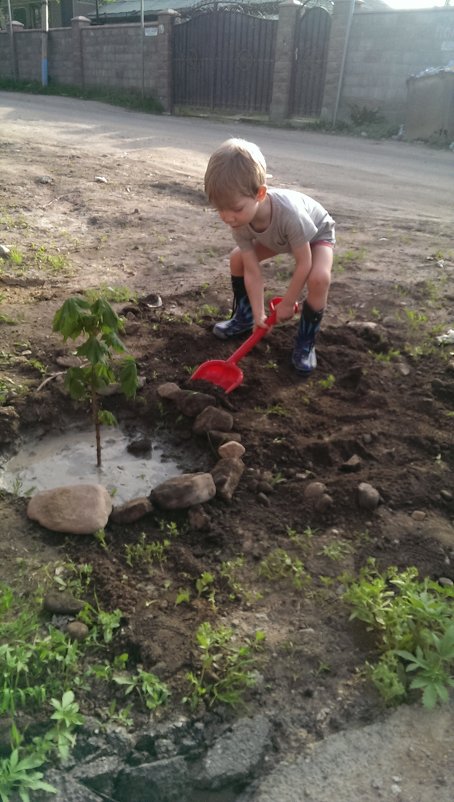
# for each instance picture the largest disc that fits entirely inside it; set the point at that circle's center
(224, 374)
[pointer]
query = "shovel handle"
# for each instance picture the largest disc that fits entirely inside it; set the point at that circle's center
(258, 334)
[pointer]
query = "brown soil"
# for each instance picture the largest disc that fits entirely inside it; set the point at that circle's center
(383, 393)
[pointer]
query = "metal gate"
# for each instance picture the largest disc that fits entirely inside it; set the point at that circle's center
(224, 60)
(312, 39)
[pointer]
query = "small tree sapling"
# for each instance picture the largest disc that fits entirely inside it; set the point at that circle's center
(101, 326)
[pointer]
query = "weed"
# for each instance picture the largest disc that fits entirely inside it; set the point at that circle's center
(413, 621)
(414, 318)
(386, 357)
(336, 550)
(183, 596)
(226, 667)
(148, 553)
(16, 257)
(301, 539)
(10, 389)
(277, 479)
(170, 528)
(279, 565)
(204, 587)
(231, 570)
(42, 258)
(19, 775)
(9, 321)
(75, 578)
(151, 690)
(327, 383)
(122, 716)
(100, 534)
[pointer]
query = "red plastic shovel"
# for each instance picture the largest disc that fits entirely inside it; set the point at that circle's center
(226, 373)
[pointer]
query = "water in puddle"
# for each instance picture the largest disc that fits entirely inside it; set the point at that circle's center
(70, 458)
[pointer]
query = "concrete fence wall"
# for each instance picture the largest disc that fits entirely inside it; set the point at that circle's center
(122, 57)
(385, 49)
(371, 55)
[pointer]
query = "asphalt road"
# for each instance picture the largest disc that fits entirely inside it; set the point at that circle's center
(408, 180)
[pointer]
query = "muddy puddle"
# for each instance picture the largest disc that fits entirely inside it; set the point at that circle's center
(46, 461)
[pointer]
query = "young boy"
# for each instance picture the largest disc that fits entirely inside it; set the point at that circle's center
(266, 222)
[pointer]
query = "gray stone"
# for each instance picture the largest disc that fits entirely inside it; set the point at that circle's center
(169, 391)
(199, 519)
(226, 475)
(55, 602)
(75, 509)
(314, 491)
(213, 418)
(218, 438)
(161, 781)
(231, 449)
(352, 465)
(77, 630)
(99, 775)
(131, 511)
(9, 424)
(191, 403)
(368, 496)
(184, 491)
(236, 755)
(68, 789)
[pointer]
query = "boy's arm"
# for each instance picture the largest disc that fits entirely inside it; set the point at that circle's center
(253, 281)
(303, 264)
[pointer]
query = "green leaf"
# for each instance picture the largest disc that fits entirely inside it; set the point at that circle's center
(429, 697)
(113, 341)
(70, 318)
(94, 350)
(128, 377)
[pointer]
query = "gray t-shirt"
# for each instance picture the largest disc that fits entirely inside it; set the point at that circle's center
(295, 219)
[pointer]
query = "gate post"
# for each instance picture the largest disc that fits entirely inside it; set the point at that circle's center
(337, 52)
(166, 20)
(77, 25)
(284, 60)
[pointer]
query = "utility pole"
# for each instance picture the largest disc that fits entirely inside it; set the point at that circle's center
(44, 37)
(12, 43)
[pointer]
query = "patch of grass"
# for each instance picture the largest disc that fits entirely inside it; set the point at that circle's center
(352, 258)
(112, 294)
(115, 97)
(273, 409)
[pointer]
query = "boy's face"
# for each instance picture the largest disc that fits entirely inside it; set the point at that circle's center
(242, 209)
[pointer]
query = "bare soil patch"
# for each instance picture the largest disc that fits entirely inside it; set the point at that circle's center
(383, 394)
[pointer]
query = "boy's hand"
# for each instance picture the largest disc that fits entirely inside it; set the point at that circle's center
(284, 311)
(260, 323)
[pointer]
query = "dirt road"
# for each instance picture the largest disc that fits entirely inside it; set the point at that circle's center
(401, 179)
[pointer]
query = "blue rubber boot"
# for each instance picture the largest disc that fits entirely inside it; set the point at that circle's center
(241, 321)
(304, 358)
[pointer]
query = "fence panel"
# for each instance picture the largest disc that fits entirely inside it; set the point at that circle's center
(312, 39)
(224, 60)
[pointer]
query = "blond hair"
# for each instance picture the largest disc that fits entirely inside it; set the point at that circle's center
(237, 167)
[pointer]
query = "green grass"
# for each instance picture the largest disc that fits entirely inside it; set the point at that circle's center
(115, 97)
